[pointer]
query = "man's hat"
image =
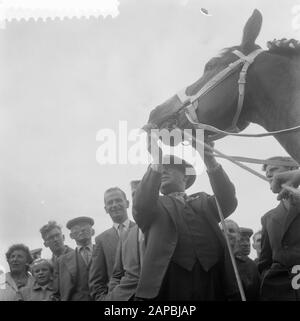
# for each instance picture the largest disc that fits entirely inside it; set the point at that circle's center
(36, 252)
(81, 219)
(184, 166)
(244, 231)
(283, 161)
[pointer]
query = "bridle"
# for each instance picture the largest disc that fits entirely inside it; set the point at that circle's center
(191, 103)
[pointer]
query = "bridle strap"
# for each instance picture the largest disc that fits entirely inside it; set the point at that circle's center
(248, 60)
(192, 102)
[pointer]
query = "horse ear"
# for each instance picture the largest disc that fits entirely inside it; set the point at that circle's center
(251, 31)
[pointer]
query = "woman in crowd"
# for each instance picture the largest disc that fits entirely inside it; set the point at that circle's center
(19, 259)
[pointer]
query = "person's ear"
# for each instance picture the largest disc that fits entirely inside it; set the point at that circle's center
(71, 235)
(46, 244)
(93, 232)
(106, 209)
(63, 237)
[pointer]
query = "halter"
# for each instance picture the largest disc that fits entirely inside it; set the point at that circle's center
(191, 102)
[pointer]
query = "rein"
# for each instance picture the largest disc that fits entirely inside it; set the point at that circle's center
(191, 103)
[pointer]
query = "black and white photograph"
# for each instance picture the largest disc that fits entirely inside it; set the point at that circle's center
(149, 152)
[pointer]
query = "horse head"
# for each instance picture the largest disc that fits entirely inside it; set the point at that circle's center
(216, 107)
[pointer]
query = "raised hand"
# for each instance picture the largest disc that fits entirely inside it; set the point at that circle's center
(153, 148)
(289, 178)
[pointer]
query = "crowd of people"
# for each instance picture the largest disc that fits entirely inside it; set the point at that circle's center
(175, 250)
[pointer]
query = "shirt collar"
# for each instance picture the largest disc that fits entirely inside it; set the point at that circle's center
(65, 251)
(48, 286)
(125, 223)
(181, 196)
(89, 246)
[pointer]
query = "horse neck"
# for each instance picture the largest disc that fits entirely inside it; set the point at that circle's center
(275, 100)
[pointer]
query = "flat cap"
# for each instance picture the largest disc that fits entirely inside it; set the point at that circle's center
(245, 231)
(281, 161)
(80, 219)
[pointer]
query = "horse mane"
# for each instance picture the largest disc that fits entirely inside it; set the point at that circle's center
(285, 47)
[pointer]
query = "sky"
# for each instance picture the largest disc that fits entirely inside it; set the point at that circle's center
(64, 81)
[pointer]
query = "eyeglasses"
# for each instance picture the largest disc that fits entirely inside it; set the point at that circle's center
(53, 237)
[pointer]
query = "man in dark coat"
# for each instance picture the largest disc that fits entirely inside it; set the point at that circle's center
(185, 256)
(247, 268)
(71, 270)
(280, 245)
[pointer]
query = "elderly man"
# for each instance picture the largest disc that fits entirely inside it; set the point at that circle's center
(240, 244)
(54, 239)
(185, 254)
(247, 268)
(280, 250)
(233, 232)
(72, 269)
(103, 259)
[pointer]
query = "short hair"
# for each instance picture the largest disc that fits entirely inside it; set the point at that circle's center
(256, 233)
(19, 247)
(231, 221)
(112, 189)
(293, 163)
(41, 261)
(49, 227)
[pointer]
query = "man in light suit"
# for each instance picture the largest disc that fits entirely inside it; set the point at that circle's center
(126, 272)
(185, 254)
(72, 269)
(103, 258)
(280, 243)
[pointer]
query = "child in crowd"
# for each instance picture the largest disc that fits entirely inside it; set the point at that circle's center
(42, 289)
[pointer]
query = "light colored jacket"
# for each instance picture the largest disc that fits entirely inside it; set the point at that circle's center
(8, 288)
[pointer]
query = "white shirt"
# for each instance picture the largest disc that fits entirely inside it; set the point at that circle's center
(125, 223)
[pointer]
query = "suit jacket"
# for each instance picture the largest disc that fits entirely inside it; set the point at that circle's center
(102, 262)
(280, 252)
(154, 215)
(67, 249)
(126, 272)
(66, 271)
(8, 288)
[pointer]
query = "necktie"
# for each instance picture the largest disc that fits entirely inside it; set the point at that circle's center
(85, 254)
(121, 230)
(181, 196)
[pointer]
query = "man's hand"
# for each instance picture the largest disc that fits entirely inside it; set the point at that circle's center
(209, 160)
(289, 178)
(293, 195)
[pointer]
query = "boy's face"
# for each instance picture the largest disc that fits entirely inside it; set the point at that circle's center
(42, 273)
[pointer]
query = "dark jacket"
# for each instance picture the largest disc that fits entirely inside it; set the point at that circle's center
(71, 278)
(280, 252)
(154, 215)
